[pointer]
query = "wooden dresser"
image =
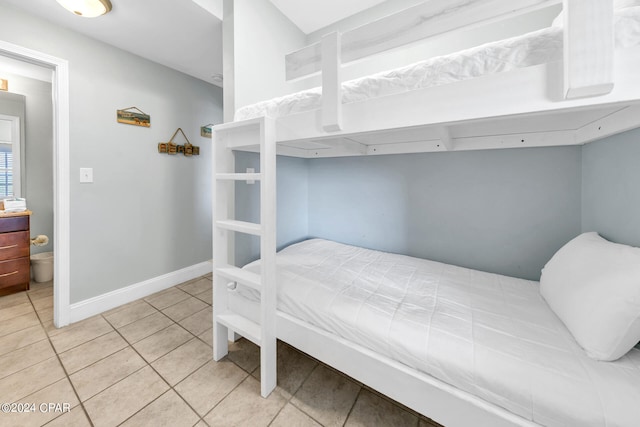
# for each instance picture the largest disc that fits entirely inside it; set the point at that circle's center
(15, 247)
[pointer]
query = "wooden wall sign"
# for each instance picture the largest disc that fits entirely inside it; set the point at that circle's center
(205, 131)
(170, 147)
(132, 118)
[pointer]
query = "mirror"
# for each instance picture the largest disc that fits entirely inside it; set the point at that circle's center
(9, 156)
(12, 135)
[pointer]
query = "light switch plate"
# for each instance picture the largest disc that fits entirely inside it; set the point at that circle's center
(86, 175)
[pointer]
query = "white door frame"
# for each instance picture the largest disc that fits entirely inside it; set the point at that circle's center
(61, 169)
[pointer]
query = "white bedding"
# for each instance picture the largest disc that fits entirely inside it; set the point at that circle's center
(490, 335)
(533, 48)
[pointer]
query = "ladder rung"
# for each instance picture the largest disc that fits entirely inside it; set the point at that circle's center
(241, 226)
(243, 326)
(241, 276)
(239, 176)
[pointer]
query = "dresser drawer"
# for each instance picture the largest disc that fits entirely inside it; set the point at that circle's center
(14, 272)
(14, 223)
(14, 245)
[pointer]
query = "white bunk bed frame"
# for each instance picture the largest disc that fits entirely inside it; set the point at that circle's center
(573, 102)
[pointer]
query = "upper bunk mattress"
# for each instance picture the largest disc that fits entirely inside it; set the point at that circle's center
(490, 335)
(530, 49)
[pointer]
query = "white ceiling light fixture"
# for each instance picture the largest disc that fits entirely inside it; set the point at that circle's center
(86, 8)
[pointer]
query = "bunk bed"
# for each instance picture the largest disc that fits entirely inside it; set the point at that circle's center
(573, 83)
(486, 336)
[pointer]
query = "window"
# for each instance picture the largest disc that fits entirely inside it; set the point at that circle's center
(6, 171)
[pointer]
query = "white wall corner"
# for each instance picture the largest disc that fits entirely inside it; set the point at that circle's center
(101, 303)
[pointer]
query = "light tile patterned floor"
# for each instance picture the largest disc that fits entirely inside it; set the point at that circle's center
(149, 363)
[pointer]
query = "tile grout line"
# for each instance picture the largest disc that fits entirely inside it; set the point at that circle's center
(39, 323)
(147, 363)
(226, 357)
(75, 346)
(158, 373)
(80, 403)
(68, 376)
(27, 345)
(13, 307)
(292, 395)
(393, 402)
(302, 409)
(20, 330)
(230, 391)
(161, 310)
(361, 390)
(353, 405)
(97, 361)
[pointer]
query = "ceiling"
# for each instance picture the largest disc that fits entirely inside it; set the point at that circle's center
(312, 15)
(181, 34)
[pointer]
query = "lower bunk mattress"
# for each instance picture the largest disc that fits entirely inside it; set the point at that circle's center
(489, 335)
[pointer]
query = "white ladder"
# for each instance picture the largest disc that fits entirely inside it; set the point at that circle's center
(248, 135)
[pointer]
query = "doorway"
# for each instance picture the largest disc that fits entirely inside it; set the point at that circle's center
(61, 172)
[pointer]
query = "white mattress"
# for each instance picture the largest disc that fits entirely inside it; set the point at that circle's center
(490, 335)
(534, 48)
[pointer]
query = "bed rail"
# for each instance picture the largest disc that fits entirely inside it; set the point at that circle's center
(588, 43)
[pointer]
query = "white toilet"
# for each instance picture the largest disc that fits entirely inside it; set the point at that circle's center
(42, 265)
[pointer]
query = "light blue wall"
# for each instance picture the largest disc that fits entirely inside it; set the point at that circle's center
(611, 188)
(146, 214)
(502, 211)
(292, 206)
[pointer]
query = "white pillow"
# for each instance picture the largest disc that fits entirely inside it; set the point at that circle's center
(558, 21)
(593, 286)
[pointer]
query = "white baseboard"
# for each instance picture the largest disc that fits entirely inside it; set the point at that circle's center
(96, 305)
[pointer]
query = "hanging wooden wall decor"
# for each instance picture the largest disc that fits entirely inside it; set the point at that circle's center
(170, 147)
(131, 118)
(205, 131)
